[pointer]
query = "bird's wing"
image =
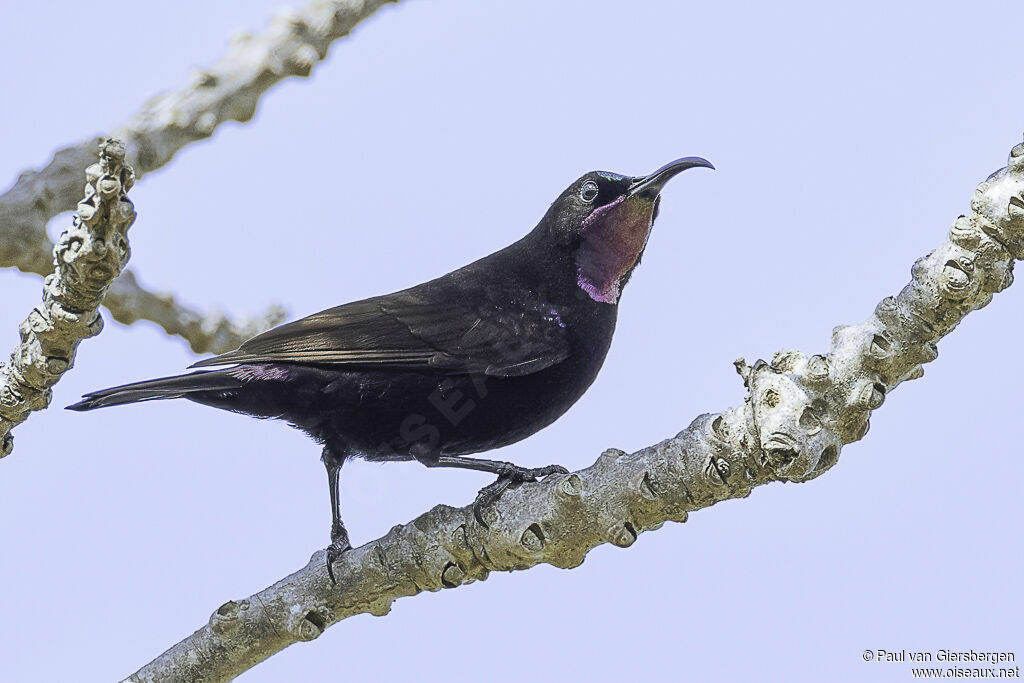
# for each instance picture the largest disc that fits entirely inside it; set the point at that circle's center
(414, 329)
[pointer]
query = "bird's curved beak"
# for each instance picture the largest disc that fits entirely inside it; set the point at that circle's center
(650, 185)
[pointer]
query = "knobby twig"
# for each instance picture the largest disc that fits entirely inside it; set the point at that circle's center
(798, 413)
(86, 259)
(230, 90)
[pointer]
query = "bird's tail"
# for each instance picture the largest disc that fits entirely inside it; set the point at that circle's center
(179, 386)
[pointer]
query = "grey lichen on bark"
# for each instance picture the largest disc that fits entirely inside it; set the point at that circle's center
(86, 259)
(798, 413)
(228, 91)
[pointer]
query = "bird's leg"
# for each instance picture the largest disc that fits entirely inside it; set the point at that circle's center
(503, 469)
(508, 474)
(339, 535)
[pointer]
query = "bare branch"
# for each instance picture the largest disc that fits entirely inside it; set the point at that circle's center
(128, 302)
(228, 91)
(798, 414)
(86, 259)
(213, 332)
(34, 199)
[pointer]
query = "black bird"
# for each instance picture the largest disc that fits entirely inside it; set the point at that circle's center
(476, 359)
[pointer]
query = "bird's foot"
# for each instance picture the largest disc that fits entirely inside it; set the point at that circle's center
(339, 544)
(520, 474)
(512, 474)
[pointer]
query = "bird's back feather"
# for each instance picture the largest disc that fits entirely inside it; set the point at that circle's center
(434, 326)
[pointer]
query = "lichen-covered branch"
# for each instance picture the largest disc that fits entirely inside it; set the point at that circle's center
(211, 332)
(128, 302)
(86, 259)
(798, 413)
(228, 91)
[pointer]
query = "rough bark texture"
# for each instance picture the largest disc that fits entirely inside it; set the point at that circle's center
(86, 259)
(798, 414)
(230, 90)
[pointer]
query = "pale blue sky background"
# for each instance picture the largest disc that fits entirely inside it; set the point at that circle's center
(847, 139)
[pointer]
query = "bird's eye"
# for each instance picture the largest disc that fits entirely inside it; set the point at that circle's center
(588, 192)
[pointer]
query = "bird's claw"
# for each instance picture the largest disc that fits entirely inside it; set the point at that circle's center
(488, 495)
(536, 473)
(513, 474)
(339, 545)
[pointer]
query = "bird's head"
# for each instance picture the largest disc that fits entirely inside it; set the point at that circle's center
(604, 219)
